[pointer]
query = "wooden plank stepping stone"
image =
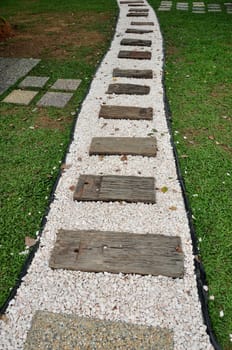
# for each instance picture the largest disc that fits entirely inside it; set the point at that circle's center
(133, 73)
(142, 23)
(136, 55)
(125, 112)
(140, 146)
(138, 10)
(56, 331)
(110, 188)
(128, 89)
(135, 42)
(136, 5)
(139, 31)
(132, 2)
(115, 252)
(137, 14)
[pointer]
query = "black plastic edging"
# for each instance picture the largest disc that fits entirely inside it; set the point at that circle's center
(34, 249)
(199, 268)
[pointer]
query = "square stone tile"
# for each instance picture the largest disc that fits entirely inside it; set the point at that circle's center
(22, 97)
(33, 81)
(55, 99)
(66, 84)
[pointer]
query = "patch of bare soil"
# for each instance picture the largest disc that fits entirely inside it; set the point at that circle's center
(52, 36)
(5, 30)
(45, 122)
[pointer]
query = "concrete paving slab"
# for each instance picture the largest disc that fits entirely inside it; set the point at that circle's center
(34, 81)
(55, 99)
(59, 331)
(12, 69)
(22, 97)
(66, 84)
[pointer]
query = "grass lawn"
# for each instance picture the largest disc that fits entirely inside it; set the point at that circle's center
(199, 83)
(70, 37)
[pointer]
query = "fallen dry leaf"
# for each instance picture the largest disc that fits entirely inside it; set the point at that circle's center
(65, 166)
(211, 137)
(178, 249)
(79, 159)
(29, 242)
(173, 207)
(123, 158)
(183, 156)
(72, 188)
(101, 157)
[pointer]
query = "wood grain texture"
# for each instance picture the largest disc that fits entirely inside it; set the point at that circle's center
(132, 2)
(128, 89)
(133, 73)
(133, 23)
(135, 42)
(136, 55)
(139, 10)
(135, 5)
(136, 14)
(125, 112)
(139, 31)
(96, 251)
(110, 188)
(141, 146)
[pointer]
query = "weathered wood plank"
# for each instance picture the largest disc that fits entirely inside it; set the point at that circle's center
(115, 252)
(132, 2)
(125, 112)
(133, 23)
(110, 188)
(139, 31)
(136, 55)
(136, 5)
(136, 14)
(135, 42)
(141, 146)
(133, 73)
(139, 10)
(128, 89)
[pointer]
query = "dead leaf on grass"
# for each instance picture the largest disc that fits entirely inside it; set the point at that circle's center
(29, 242)
(211, 137)
(184, 156)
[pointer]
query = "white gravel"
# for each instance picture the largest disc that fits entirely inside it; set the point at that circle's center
(148, 300)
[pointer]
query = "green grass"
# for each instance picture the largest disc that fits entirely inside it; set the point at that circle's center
(198, 81)
(33, 141)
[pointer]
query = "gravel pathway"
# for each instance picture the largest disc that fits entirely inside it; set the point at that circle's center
(146, 300)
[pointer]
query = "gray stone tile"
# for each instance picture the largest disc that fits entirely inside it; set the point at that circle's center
(12, 69)
(33, 81)
(69, 332)
(22, 97)
(66, 84)
(55, 99)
